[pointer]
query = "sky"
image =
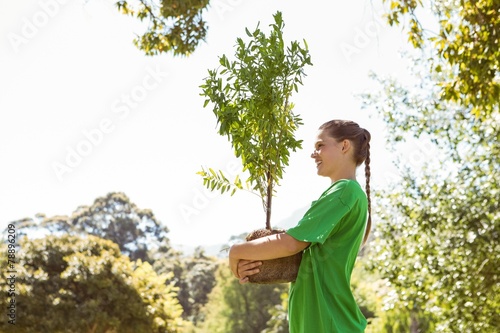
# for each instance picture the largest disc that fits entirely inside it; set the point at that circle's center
(83, 112)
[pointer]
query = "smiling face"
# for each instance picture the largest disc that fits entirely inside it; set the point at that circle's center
(332, 157)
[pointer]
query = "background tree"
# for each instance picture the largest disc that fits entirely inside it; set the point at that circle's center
(446, 209)
(174, 26)
(141, 237)
(467, 45)
(194, 276)
(239, 308)
(136, 231)
(279, 317)
(251, 101)
(375, 300)
(73, 284)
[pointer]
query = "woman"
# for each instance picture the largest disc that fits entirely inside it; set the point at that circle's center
(330, 235)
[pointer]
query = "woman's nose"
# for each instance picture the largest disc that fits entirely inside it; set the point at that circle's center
(314, 154)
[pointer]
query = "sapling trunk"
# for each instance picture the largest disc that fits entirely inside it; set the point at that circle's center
(269, 199)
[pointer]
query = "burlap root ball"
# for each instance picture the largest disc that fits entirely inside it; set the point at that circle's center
(281, 270)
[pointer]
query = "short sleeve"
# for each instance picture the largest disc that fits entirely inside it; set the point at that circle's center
(324, 215)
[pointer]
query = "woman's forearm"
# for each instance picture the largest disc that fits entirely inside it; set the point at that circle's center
(269, 247)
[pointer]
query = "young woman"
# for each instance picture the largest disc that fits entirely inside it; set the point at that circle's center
(330, 235)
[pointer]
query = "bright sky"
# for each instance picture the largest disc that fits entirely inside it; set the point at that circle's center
(85, 113)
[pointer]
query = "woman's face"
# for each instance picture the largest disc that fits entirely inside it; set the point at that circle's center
(327, 155)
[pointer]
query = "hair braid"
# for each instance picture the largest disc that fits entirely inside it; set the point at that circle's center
(367, 188)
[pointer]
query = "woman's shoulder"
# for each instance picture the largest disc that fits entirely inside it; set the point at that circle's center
(344, 188)
(344, 184)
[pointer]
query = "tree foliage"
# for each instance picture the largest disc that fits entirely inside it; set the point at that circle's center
(175, 26)
(136, 231)
(375, 300)
(438, 241)
(251, 101)
(467, 45)
(278, 323)
(233, 307)
(194, 276)
(445, 207)
(74, 284)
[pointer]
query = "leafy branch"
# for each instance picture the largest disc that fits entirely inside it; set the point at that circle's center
(175, 26)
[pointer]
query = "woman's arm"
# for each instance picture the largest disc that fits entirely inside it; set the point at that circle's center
(265, 248)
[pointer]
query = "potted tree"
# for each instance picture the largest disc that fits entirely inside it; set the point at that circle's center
(251, 100)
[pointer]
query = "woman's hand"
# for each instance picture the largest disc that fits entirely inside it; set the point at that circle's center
(242, 268)
(245, 258)
(246, 268)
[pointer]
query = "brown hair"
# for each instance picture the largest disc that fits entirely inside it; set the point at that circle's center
(360, 139)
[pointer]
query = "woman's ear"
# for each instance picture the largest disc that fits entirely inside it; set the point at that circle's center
(346, 145)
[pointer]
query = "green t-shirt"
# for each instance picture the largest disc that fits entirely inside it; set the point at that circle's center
(321, 299)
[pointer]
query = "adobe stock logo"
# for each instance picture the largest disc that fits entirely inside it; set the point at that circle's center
(95, 136)
(423, 155)
(363, 37)
(30, 27)
(223, 6)
(202, 197)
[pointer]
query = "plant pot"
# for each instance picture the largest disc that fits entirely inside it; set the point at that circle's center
(281, 270)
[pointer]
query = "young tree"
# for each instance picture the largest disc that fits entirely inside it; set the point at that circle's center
(75, 284)
(251, 101)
